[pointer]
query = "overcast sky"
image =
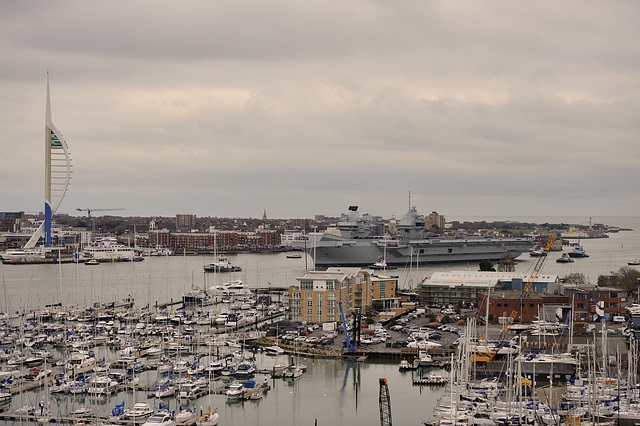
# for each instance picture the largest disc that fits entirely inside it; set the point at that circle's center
(230, 108)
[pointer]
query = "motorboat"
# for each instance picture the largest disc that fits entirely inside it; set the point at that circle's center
(538, 253)
(292, 372)
(578, 251)
(424, 359)
(245, 369)
(139, 411)
(404, 365)
(101, 385)
(188, 391)
(295, 255)
(161, 418)
(634, 262)
(234, 288)
(92, 262)
(235, 390)
(274, 350)
(564, 259)
(222, 265)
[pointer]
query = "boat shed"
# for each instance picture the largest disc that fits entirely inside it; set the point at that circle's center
(454, 287)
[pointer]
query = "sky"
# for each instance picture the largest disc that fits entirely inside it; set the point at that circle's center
(299, 108)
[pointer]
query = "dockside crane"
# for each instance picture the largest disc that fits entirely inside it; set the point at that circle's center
(385, 403)
(479, 357)
(91, 223)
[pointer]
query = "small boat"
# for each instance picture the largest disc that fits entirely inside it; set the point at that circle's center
(294, 256)
(161, 418)
(208, 418)
(578, 251)
(538, 253)
(184, 415)
(634, 262)
(256, 394)
(92, 262)
(235, 390)
(139, 411)
(404, 365)
(273, 350)
(381, 264)
(564, 259)
(222, 265)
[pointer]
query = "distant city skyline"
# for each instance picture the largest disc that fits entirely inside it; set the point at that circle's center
(479, 109)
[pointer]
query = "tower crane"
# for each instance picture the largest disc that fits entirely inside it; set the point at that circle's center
(514, 313)
(91, 224)
(385, 403)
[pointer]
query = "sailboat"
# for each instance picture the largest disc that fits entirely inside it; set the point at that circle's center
(209, 418)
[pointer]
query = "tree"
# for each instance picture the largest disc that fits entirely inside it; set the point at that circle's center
(575, 278)
(506, 263)
(486, 265)
(628, 279)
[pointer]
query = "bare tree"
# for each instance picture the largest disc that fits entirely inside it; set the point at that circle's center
(506, 263)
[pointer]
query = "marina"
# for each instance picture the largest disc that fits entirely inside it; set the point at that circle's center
(332, 389)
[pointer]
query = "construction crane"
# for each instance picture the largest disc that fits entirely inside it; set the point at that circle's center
(351, 346)
(514, 313)
(91, 224)
(385, 403)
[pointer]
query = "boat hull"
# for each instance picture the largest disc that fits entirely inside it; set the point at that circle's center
(335, 251)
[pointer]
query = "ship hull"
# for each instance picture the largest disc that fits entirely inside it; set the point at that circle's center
(334, 251)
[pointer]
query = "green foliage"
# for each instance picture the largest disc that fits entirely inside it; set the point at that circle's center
(445, 319)
(628, 279)
(486, 265)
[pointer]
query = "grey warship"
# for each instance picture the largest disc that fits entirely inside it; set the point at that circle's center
(354, 245)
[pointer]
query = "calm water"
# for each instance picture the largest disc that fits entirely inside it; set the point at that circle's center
(333, 392)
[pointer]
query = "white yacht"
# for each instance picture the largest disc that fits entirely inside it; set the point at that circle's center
(230, 288)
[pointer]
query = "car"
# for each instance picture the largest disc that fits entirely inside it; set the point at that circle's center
(311, 339)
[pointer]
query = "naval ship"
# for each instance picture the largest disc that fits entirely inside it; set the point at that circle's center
(352, 244)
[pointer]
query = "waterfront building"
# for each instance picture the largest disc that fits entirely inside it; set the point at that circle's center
(317, 296)
(503, 302)
(463, 287)
(221, 240)
(597, 303)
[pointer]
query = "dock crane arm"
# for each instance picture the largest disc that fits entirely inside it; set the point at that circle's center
(514, 313)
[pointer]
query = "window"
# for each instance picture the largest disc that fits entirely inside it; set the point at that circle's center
(309, 295)
(306, 284)
(330, 285)
(309, 312)
(309, 302)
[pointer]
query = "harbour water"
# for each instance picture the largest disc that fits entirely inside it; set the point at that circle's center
(332, 392)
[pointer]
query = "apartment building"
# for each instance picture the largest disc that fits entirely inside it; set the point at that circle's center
(318, 294)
